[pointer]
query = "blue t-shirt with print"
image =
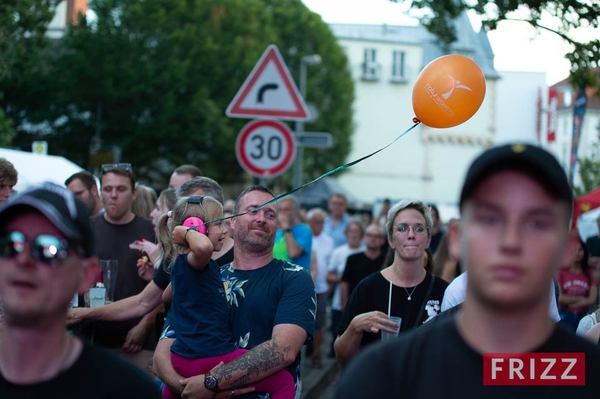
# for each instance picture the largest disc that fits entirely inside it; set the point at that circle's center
(278, 293)
(303, 236)
(199, 311)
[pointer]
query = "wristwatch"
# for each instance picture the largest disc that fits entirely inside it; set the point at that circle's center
(211, 383)
(287, 230)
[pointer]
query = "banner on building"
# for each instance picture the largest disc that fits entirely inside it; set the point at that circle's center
(578, 113)
(538, 117)
(552, 114)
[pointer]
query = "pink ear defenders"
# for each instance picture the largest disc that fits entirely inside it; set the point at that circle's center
(196, 224)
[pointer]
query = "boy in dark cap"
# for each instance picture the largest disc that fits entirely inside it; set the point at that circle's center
(46, 256)
(515, 209)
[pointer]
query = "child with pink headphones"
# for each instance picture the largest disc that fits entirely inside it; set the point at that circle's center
(199, 314)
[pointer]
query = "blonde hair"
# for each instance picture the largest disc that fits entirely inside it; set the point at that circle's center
(208, 209)
(143, 204)
(442, 254)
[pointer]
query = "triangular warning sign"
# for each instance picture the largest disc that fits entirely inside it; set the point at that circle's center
(269, 92)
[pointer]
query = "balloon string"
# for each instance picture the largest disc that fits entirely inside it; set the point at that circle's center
(339, 168)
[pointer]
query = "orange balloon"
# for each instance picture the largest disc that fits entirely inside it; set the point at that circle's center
(448, 91)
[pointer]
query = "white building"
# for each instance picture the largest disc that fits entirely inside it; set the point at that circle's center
(521, 99)
(427, 163)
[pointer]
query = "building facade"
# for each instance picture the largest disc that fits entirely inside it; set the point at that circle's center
(559, 116)
(426, 163)
(520, 107)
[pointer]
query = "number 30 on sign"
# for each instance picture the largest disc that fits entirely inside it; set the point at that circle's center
(265, 148)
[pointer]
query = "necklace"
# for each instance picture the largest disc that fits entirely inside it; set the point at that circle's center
(413, 290)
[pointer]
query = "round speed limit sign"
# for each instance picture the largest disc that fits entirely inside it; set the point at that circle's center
(265, 148)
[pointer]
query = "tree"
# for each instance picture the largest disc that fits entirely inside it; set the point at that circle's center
(154, 78)
(569, 14)
(22, 37)
(589, 172)
(329, 84)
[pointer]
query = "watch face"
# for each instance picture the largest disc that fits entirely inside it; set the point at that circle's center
(211, 382)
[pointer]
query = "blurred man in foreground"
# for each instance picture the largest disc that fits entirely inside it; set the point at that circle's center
(46, 247)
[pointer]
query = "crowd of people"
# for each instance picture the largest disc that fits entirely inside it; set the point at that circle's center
(218, 298)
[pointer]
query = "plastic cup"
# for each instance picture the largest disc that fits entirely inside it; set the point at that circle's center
(386, 336)
(97, 297)
(110, 269)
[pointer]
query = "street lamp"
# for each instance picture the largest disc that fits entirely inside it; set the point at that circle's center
(312, 59)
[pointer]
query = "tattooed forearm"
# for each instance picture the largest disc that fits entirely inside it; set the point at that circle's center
(255, 365)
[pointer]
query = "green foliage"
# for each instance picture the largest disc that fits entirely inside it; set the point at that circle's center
(589, 172)
(329, 84)
(22, 39)
(570, 13)
(155, 77)
(7, 132)
(22, 31)
(441, 13)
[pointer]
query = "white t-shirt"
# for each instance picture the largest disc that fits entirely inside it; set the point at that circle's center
(322, 246)
(337, 264)
(457, 290)
(586, 323)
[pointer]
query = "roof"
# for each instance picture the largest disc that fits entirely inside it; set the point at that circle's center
(469, 43)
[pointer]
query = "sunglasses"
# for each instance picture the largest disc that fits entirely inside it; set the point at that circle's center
(46, 248)
(107, 167)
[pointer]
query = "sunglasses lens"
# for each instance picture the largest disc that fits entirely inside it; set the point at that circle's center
(11, 244)
(48, 248)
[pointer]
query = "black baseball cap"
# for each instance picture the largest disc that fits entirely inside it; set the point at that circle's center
(60, 206)
(529, 159)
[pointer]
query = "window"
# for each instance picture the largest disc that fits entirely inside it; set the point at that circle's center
(398, 58)
(370, 68)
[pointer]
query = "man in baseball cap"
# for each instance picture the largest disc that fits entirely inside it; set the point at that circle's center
(46, 256)
(515, 208)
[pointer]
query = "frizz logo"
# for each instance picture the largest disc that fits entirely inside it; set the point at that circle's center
(534, 369)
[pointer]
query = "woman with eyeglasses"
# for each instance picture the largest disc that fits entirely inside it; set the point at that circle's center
(404, 289)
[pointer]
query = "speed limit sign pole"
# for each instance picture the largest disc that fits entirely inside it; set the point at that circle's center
(265, 148)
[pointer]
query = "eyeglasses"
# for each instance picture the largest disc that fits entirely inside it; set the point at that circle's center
(107, 167)
(371, 235)
(45, 248)
(417, 228)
